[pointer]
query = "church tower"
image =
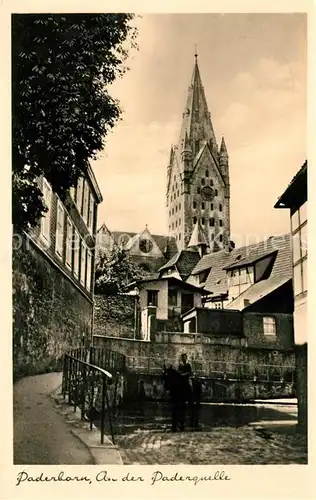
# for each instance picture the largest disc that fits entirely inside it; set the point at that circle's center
(198, 192)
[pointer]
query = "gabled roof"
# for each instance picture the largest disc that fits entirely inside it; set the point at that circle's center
(296, 192)
(258, 291)
(167, 244)
(197, 237)
(217, 280)
(185, 261)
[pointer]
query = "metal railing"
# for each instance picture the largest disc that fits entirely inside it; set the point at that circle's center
(220, 370)
(91, 387)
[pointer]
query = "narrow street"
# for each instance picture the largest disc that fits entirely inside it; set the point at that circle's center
(41, 435)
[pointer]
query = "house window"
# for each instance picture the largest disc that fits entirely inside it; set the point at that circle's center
(152, 298)
(60, 229)
(85, 206)
(172, 298)
(220, 207)
(203, 205)
(203, 276)
(194, 204)
(79, 194)
(69, 243)
(91, 213)
(89, 269)
(299, 248)
(212, 222)
(269, 326)
(76, 253)
(45, 221)
(83, 264)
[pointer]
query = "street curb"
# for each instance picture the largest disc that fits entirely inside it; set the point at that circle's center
(102, 454)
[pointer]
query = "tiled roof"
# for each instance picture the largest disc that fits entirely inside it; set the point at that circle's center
(217, 280)
(258, 291)
(185, 260)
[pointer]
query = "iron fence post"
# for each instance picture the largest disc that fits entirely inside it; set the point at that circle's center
(103, 409)
(83, 392)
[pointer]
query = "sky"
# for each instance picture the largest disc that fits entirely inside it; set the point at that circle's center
(253, 68)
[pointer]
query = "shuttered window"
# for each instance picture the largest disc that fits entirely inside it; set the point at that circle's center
(76, 246)
(89, 270)
(45, 221)
(83, 263)
(60, 229)
(69, 243)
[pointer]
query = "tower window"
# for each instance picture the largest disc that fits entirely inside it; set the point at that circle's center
(221, 238)
(203, 221)
(194, 204)
(194, 220)
(197, 145)
(176, 208)
(179, 206)
(176, 186)
(203, 205)
(212, 206)
(221, 222)
(172, 211)
(198, 190)
(211, 182)
(220, 208)
(212, 222)
(179, 236)
(216, 192)
(179, 222)
(212, 236)
(206, 173)
(176, 223)
(177, 193)
(172, 225)
(203, 181)
(174, 177)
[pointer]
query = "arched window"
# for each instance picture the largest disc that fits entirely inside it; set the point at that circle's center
(220, 208)
(203, 221)
(198, 190)
(206, 173)
(220, 222)
(220, 237)
(212, 222)
(212, 206)
(194, 204)
(203, 181)
(216, 192)
(211, 182)
(194, 220)
(203, 205)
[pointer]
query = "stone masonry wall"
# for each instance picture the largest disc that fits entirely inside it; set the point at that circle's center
(50, 314)
(114, 315)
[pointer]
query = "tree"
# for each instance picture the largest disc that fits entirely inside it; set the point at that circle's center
(115, 269)
(61, 109)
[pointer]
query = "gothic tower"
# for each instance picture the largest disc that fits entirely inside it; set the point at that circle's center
(198, 192)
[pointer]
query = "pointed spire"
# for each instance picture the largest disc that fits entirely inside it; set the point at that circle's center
(198, 237)
(223, 149)
(196, 122)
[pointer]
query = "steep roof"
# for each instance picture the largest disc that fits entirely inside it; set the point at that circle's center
(219, 262)
(185, 261)
(198, 237)
(296, 192)
(170, 279)
(167, 244)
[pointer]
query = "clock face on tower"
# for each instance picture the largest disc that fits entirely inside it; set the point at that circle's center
(145, 246)
(207, 193)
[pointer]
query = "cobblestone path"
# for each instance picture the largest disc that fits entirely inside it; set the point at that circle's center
(222, 445)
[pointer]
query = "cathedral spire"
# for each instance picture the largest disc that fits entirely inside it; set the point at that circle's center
(196, 122)
(223, 149)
